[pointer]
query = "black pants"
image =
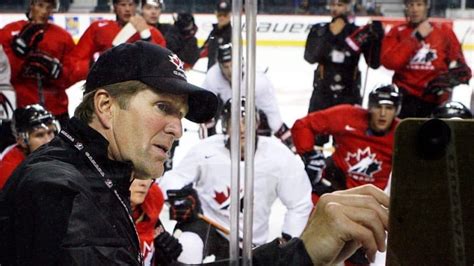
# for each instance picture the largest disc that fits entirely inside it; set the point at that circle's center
(415, 107)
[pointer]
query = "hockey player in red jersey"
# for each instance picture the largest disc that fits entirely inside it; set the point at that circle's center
(364, 145)
(36, 49)
(32, 126)
(104, 34)
(427, 59)
(364, 141)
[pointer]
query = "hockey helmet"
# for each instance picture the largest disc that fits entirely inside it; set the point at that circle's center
(223, 7)
(31, 117)
(224, 53)
(385, 94)
(452, 110)
(137, 2)
(157, 3)
(185, 24)
(227, 111)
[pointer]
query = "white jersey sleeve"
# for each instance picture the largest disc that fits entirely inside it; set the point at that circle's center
(294, 191)
(266, 101)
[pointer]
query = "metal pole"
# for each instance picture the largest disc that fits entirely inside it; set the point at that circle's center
(250, 21)
(235, 132)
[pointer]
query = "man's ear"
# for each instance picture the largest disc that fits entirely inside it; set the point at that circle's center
(103, 107)
(21, 142)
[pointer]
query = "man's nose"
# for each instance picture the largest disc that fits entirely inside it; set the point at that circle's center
(175, 128)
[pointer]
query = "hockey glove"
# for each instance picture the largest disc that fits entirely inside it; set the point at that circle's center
(28, 39)
(43, 64)
(184, 204)
(167, 249)
(284, 134)
(314, 162)
(365, 34)
(445, 82)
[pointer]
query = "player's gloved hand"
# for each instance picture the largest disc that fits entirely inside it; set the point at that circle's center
(167, 249)
(28, 38)
(445, 82)
(184, 204)
(43, 64)
(314, 162)
(370, 32)
(284, 134)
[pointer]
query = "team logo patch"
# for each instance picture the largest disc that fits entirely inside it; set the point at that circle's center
(179, 65)
(222, 198)
(423, 58)
(72, 26)
(363, 165)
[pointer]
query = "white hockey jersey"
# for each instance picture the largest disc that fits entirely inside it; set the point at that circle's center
(265, 99)
(278, 174)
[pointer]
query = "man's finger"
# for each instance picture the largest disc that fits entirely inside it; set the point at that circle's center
(357, 201)
(369, 219)
(371, 190)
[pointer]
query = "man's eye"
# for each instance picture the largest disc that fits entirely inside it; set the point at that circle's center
(164, 107)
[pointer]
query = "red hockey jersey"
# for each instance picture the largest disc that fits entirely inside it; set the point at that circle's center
(11, 159)
(364, 158)
(416, 62)
(56, 42)
(98, 38)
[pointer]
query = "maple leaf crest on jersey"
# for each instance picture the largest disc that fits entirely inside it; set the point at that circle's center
(363, 165)
(423, 58)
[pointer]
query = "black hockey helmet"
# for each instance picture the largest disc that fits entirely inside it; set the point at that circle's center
(386, 94)
(185, 24)
(224, 53)
(137, 2)
(223, 7)
(31, 117)
(452, 110)
(227, 110)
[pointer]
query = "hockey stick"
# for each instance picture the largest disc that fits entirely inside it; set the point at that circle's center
(125, 33)
(328, 149)
(214, 223)
(39, 81)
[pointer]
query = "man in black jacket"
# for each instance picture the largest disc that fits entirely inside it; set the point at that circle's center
(68, 203)
(221, 33)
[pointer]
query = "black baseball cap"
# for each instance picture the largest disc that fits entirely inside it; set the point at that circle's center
(156, 67)
(223, 7)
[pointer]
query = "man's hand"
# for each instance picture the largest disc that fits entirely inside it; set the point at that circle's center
(43, 64)
(424, 29)
(363, 35)
(284, 134)
(314, 163)
(28, 38)
(444, 83)
(167, 249)
(184, 204)
(139, 23)
(344, 221)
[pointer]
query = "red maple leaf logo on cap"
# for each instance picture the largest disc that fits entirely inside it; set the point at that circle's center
(178, 63)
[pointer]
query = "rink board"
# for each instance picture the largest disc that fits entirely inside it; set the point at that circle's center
(432, 199)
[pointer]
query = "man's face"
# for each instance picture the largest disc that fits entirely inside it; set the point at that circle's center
(226, 69)
(124, 10)
(242, 133)
(151, 13)
(417, 11)
(40, 135)
(223, 19)
(336, 8)
(381, 117)
(144, 132)
(138, 191)
(40, 11)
